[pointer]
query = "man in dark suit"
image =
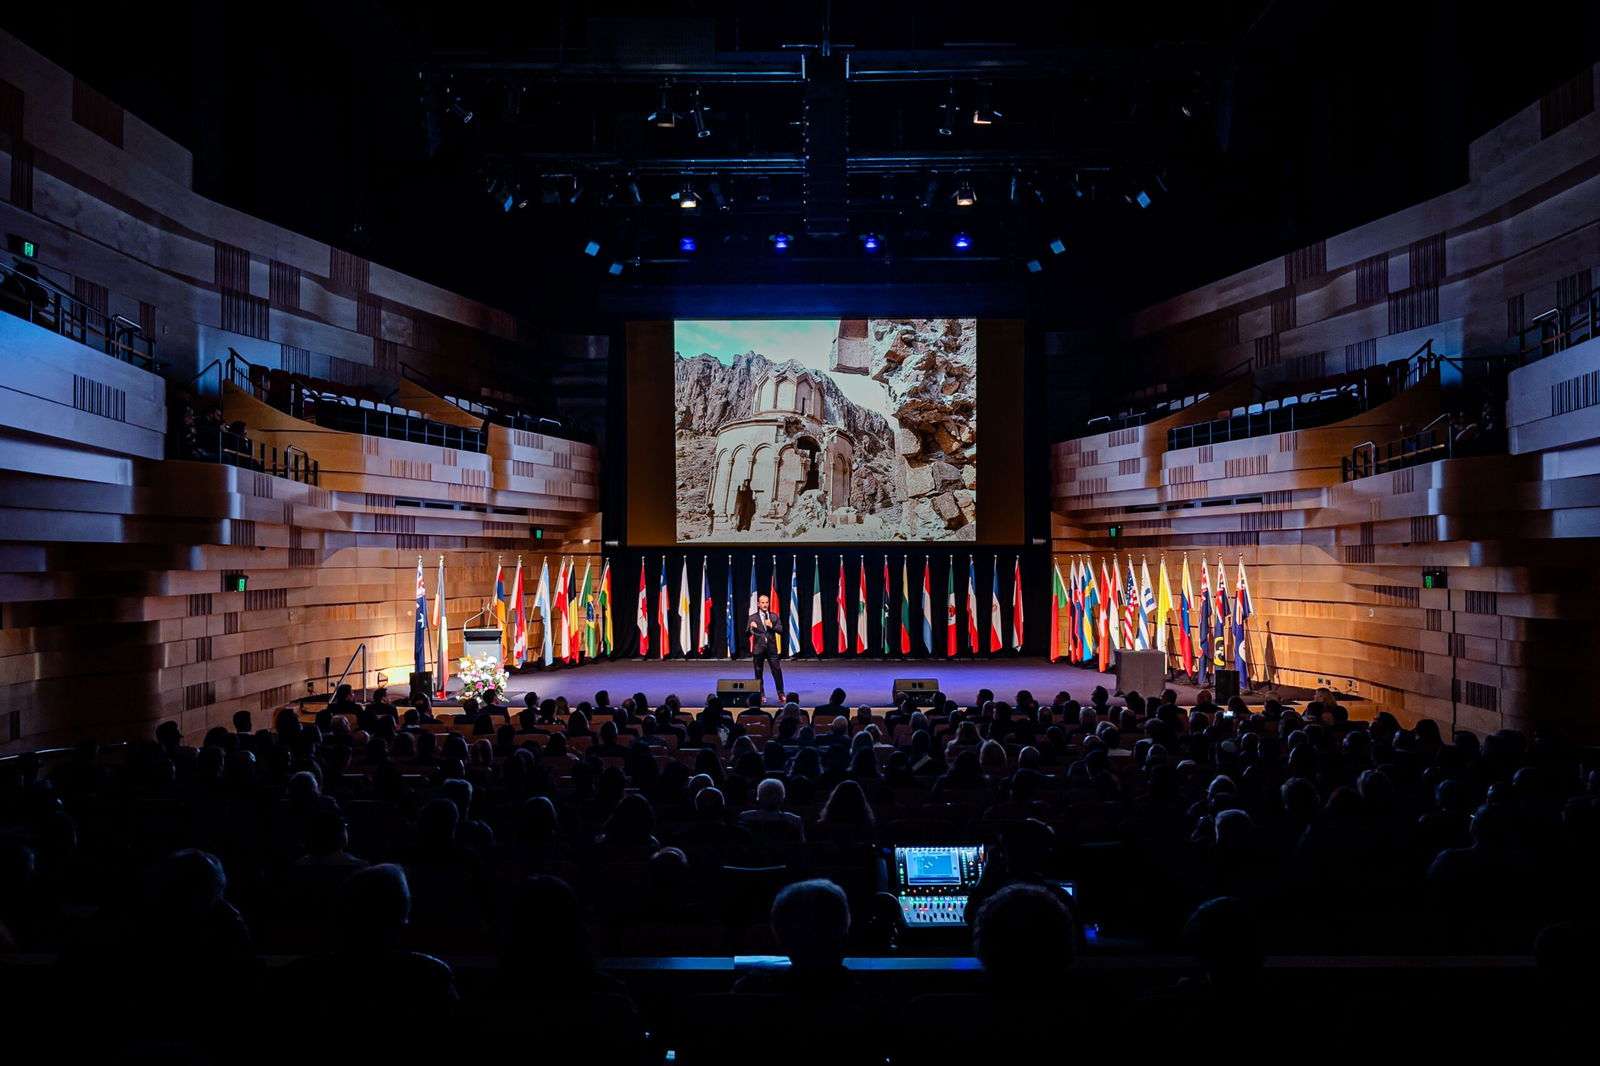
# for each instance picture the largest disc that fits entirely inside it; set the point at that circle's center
(764, 642)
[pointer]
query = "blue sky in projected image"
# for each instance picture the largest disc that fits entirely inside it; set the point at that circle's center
(806, 341)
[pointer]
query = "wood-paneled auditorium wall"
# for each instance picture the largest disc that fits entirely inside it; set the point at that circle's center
(112, 614)
(1336, 568)
(108, 200)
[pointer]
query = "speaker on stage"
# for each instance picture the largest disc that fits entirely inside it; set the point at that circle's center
(422, 684)
(1227, 685)
(920, 689)
(737, 686)
(1144, 672)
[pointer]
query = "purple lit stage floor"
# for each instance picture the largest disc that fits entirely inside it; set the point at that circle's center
(864, 680)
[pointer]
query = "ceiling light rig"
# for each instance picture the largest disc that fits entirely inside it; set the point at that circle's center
(983, 114)
(697, 111)
(948, 112)
(686, 197)
(966, 195)
(663, 117)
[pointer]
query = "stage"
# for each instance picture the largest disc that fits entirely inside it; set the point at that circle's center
(864, 680)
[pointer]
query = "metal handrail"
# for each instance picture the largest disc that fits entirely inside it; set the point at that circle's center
(1559, 328)
(361, 650)
(76, 320)
(204, 371)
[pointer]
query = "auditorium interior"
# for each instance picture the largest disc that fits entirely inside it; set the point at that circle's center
(403, 407)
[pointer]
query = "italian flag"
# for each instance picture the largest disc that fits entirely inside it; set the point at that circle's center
(816, 606)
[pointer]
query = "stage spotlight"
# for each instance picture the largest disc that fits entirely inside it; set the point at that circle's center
(869, 242)
(686, 244)
(983, 114)
(632, 186)
(966, 195)
(1076, 185)
(763, 189)
(930, 191)
(1034, 266)
(460, 111)
(961, 240)
(501, 194)
(1138, 197)
(780, 241)
(714, 187)
(615, 269)
(1057, 247)
(697, 111)
(663, 116)
(947, 113)
(687, 198)
(1016, 188)
(592, 248)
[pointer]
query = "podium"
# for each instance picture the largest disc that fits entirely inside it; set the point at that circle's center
(1143, 672)
(478, 641)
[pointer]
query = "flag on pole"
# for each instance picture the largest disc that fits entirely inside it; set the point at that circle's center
(905, 607)
(1185, 607)
(574, 613)
(927, 605)
(950, 609)
(1163, 605)
(419, 639)
(1105, 616)
(685, 617)
(972, 605)
(497, 609)
(643, 619)
(1147, 605)
(1016, 604)
(703, 640)
(844, 618)
(861, 610)
(663, 611)
(1241, 615)
(441, 628)
(754, 595)
(883, 608)
(816, 605)
(559, 612)
(777, 604)
(1219, 643)
(1059, 600)
(996, 638)
(794, 605)
(591, 630)
(1130, 607)
(519, 620)
(1203, 649)
(1093, 632)
(542, 601)
(728, 608)
(607, 636)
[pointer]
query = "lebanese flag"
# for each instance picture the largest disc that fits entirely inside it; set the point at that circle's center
(1059, 598)
(816, 606)
(1016, 605)
(665, 614)
(643, 619)
(996, 638)
(861, 610)
(519, 621)
(950, 610)
(972, 605)
(844, 620)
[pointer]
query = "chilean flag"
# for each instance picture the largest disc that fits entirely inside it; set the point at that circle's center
(972, 604)
(996, 638)
(664, 612)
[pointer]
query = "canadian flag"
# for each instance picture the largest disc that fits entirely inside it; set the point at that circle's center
(644, 612)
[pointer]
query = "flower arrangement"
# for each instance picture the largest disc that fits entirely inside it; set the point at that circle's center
(482, 678)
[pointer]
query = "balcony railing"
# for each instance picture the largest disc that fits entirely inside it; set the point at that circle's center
(43, 303)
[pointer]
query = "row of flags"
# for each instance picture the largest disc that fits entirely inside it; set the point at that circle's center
(1114, 609)
(578, 617)
(695, 634)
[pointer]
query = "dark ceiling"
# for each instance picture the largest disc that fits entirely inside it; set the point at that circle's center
(1253, 128)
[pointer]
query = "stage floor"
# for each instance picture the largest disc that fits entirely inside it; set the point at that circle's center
(864, 680)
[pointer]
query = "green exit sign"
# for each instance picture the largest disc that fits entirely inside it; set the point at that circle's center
(29, 249)
(21, 246)
(1435, 579)
(234, 582)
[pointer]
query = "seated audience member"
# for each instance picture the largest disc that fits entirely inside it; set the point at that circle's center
(847, 817)
(632, 825)
(551, 957)
(1024, 936)
(811, 921)
(768, 820)
(369, 962)
(327, 837)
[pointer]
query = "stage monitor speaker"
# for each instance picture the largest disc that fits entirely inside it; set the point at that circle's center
(1227, 685)
(920, 689)
(737, 686)
(422, 684)
(1144, 672)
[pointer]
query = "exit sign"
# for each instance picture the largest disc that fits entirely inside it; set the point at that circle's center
(21, 246)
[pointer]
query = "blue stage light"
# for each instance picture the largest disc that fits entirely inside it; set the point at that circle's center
(615, 269)
(780, 241)
(1034, 266)
(1057, 247)
(869, 242)
(962, 240)
(686, 244)
(592, 248)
